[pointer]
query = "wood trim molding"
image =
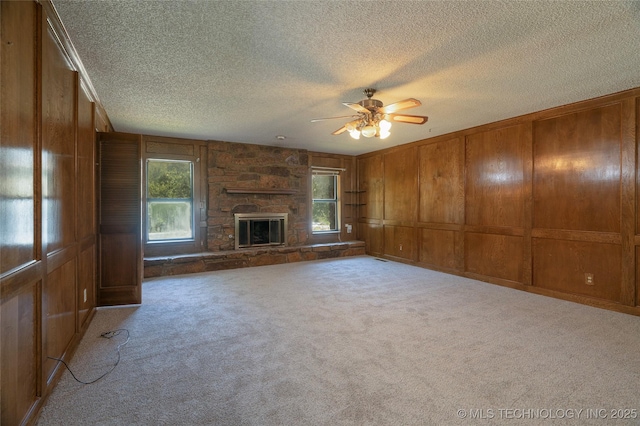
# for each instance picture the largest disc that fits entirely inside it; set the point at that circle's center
(273, 191)
(587, 236)
(72, 56)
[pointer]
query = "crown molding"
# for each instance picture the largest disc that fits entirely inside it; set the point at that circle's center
(60, 32)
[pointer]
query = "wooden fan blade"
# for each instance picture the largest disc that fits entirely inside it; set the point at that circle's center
(411, 119)
(397, 106)
(340, 130)
(315, 120)
(344, 128)
(357, 107)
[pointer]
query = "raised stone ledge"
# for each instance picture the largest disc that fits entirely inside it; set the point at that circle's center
(219, 260)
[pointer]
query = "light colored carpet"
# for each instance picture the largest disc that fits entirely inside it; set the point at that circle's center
(351, 341)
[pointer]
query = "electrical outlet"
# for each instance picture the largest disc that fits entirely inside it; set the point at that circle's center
(400, 247)
(588, 279)
(349, 228)
(85, 295)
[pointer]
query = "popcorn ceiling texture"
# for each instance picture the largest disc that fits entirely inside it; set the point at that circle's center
(247, 71)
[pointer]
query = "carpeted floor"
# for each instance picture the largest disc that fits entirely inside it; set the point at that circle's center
(351, 341)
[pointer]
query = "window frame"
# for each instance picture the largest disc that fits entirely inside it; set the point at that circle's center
(326, 171)
(149, 200)
(166, 148)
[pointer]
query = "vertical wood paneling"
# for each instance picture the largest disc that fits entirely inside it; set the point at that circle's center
(58, 145)
(628, 202)
(637, 192)
(494, 255)
(20, 218)
(373, 238)
(46, 166)
(400, 241)
(60, 305)
(538, 189)
(577, 171)
(527, 193)
(371, 183)
(18, 236)
(561, 266)
(86, 224)
(86, 282)
(437, 248)
(18, 369)
(637, 169)
(637, 276)
(441, 185)
(401, 185)
(494, 177)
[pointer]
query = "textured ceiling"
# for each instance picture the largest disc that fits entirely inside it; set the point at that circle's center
(247, 71)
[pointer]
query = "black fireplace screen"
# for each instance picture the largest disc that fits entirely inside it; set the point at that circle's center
(255, 231)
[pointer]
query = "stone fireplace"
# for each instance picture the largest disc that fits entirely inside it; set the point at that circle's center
(260, 229)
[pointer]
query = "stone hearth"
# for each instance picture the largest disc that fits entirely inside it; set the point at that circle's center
(231, 259)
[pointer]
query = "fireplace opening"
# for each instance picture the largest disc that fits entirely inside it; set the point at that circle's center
(260, 229)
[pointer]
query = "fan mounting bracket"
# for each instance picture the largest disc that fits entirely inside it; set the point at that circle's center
(369, 92)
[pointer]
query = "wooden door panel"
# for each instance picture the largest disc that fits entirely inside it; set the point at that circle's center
(119, 267)
(120, 219)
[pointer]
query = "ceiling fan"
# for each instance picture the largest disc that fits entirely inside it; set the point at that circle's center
(374, 119)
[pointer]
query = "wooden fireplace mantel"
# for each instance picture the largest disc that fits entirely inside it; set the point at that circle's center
(268, 191)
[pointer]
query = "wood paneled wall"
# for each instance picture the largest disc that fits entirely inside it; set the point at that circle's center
(544, 202)
(48, 209)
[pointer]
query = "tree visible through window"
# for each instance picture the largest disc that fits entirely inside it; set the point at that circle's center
(324, 189)
(169, 200)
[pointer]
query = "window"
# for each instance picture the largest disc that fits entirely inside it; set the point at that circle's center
(169, 200)
(324, 191)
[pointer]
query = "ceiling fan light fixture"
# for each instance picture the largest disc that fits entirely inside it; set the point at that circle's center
(373, 119)
(368, 131)
(384, 125)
